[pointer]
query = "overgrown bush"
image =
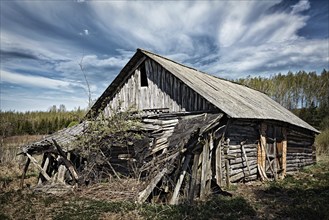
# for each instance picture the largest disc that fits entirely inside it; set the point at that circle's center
(101, 138)
(119, 124)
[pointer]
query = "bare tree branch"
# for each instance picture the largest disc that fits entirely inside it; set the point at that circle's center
(87, 82)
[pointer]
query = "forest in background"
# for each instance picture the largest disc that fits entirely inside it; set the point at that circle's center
(305, 94)
(38, 122)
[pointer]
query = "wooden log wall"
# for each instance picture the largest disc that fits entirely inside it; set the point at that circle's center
(240, 149)
(243, 131)
(244, 165)
(163, 91)
(300, 150)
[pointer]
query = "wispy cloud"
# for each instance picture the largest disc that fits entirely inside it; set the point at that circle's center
(300, 6)
(42, 43)
(36, 81)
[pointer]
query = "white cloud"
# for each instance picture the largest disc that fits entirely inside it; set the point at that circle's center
(35, 81)
(302, 5)
(43, 49)
(221, 37)
(271, 58)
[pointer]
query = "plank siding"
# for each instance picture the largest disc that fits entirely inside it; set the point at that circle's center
(164, 91)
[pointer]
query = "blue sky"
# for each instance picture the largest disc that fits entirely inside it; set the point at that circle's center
(43, 42)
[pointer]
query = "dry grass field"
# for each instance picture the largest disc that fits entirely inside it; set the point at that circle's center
(304, 195)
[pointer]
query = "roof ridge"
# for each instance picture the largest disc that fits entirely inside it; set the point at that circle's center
(146, 51)
(211, 75)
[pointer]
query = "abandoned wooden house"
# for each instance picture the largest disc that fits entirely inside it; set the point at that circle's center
(202, 131)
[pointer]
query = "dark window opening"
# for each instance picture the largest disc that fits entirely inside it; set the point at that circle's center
(144, 82)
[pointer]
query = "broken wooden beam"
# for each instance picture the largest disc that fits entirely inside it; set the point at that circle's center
(146, 192)
(35, 162)
(44, 166)
(174, 198)
(219, 172)
(24, 171)
(66, 162)
(194, 177)
(204, 171)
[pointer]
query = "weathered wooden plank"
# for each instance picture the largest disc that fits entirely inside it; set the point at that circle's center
(44, 164)
(26, 166)
(209, 168)
(35, 162)
(262, 173)
(66, 162)
(261, 151)
(194, 176)
(275, 169)
(219, 172)
(204, 171)
(174, 198)
(61, 173)
(227, 167)
(147, 191)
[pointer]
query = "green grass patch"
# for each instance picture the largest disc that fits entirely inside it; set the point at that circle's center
(216, 208)
(304, 195)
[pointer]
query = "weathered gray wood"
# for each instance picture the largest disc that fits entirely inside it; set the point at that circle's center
(209, 168)
(61, 173)
(275, 170)
(227, 167)
(262, 172)
(147, 191)
(35, 162)
(66, 162)
(169, 90)
(194, 176)
(269, 162)
(174, 198)
(243, 175)
(242, 169)
(242, 165)
(26, 166)
(45, 166)
(204, 171)
(245, 157)
(219, 172)
(240, 160)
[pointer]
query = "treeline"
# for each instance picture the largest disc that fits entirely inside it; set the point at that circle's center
(306, 94)
(38, 122)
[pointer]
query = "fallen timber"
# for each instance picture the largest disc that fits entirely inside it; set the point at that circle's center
(179, 157)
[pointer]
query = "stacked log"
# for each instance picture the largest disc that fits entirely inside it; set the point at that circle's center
(296, 160)
(243, 166)
(300, 150)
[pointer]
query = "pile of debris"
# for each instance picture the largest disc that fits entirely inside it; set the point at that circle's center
(173, 156)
